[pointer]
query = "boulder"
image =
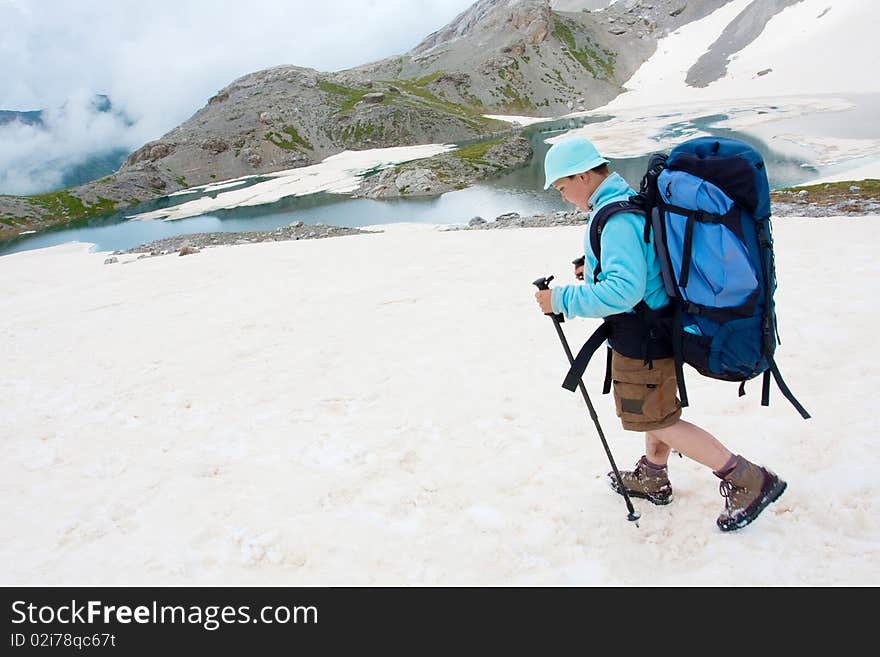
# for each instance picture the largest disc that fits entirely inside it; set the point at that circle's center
(517, 49)
(214, 145)
(219, 98)
(150, 152)
(416, 181)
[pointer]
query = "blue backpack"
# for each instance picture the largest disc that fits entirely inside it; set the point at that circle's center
(708, 204)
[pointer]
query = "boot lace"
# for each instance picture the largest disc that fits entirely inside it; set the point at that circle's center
(726, 490)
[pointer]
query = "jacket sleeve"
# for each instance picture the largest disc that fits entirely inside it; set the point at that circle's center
(622, 281)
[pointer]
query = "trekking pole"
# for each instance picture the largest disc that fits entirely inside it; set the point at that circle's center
(633, 515)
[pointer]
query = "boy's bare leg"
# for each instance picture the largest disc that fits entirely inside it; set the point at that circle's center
(656, 450)
(690, 440)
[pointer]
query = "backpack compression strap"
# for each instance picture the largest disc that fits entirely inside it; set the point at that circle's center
(770, 327)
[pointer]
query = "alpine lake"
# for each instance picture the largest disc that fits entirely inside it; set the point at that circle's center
(520, 190)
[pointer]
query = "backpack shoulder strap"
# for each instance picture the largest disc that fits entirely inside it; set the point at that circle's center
(601, 218)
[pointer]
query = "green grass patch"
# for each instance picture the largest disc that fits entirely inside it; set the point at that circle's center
(513, 102)
(476, 152)
(831, 193)
(870, 186)
(598, 61)
(428, 79)
(471, 115)
(65, 205)
(102, 206)
(59, 204)
(345, 97)
(475, 103)
(288, 139)
(180, 180)
(361, 131)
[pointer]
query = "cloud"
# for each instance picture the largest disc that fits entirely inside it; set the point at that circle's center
(35, 158)
(160, 61)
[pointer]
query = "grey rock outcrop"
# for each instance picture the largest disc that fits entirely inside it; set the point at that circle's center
(194, 243)
(416, 182)
(448, 171)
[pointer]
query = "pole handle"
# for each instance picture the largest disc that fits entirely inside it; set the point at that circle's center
(544, 284)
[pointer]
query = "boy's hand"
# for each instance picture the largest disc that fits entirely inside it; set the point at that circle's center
(579, 267)
(543, 298)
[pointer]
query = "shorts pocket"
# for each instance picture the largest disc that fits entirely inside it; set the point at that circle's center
(637, 392)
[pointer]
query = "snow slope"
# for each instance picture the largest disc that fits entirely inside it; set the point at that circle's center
(337, 174)
(809, 50)
(387, 409)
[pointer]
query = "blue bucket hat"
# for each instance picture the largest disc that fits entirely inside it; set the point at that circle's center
(569, 157)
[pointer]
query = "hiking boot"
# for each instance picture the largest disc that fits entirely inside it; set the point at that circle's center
(747, 490)
(648, 483)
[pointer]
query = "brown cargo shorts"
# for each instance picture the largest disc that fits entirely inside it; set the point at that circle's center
(645, 398)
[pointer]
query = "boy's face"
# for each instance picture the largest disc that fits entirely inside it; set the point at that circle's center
(577, 189)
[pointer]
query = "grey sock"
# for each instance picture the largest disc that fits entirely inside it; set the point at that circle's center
(727, 468)
(653, 468)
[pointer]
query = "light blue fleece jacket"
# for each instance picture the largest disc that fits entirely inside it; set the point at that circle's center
(630, 269)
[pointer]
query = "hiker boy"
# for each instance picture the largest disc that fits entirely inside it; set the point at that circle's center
(643, 370)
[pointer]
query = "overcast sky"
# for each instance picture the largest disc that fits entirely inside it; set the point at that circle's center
(160, 61)
(170, 56)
